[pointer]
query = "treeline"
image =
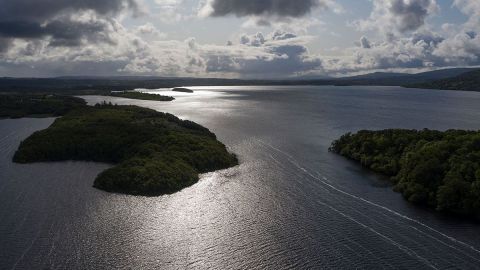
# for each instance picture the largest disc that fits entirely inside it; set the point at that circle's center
(17, 106)
(154, 153)
(141, 96)
(438, 169)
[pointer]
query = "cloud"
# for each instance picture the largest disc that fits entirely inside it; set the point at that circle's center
(461, 49)
(4, 44)
(169, 11)
(394, 54)
(41, 10)
(63, 22)
(281, 8)
(295, 25)
(280, 35)
(149, 30)
(471, 8)
(62, 32)
(417, 48)
(256, 40)
(423, 50)
(87, 38)
(278, 54)
(398, 16)
(365, 43)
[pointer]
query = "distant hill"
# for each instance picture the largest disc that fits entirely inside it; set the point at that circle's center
(375, 75)
(469, 81)
(385, 78)
(103, 85)
(444, 73)
(76, 85)
(311, 78)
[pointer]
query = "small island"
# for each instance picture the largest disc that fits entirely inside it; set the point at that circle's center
(433, 168)
(141, 96)
(182, 89)
(152, 153)
(18, 105)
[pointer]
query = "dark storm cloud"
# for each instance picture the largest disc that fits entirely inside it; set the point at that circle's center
(41, 10)
(34, 19)
(411, 14)
(63, 33)
(296, 8)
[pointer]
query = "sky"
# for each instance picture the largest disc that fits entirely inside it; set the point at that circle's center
(235, 38)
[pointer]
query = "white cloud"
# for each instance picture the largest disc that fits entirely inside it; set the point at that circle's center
(472, 9)
(150, 31)
(168, 11)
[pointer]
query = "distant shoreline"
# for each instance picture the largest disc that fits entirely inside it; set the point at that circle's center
(104, 85)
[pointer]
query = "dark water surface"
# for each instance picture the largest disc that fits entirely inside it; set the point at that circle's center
(290, 204)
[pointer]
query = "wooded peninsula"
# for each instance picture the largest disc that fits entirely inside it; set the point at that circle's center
(433, 168)
(17, 106)
(52, 105)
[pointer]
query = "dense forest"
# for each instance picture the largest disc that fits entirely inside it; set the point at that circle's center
(154, 153)
(438, 169)
(17, 106)
(140, 95)
(469, 81)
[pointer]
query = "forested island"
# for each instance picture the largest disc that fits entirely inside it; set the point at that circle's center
(17, 106)
(153, 153)
(141, 96)
(182, 89)
(433, 168)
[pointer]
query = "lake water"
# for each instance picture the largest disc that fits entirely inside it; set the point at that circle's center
(290, 204)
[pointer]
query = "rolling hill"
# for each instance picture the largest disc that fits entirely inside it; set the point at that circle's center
(469, 81)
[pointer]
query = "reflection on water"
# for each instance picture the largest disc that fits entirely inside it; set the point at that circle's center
(290, 204)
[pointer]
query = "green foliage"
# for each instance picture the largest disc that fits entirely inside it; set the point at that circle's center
(438, 169)
(142, 96)
(17, 106)
(155, 153)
